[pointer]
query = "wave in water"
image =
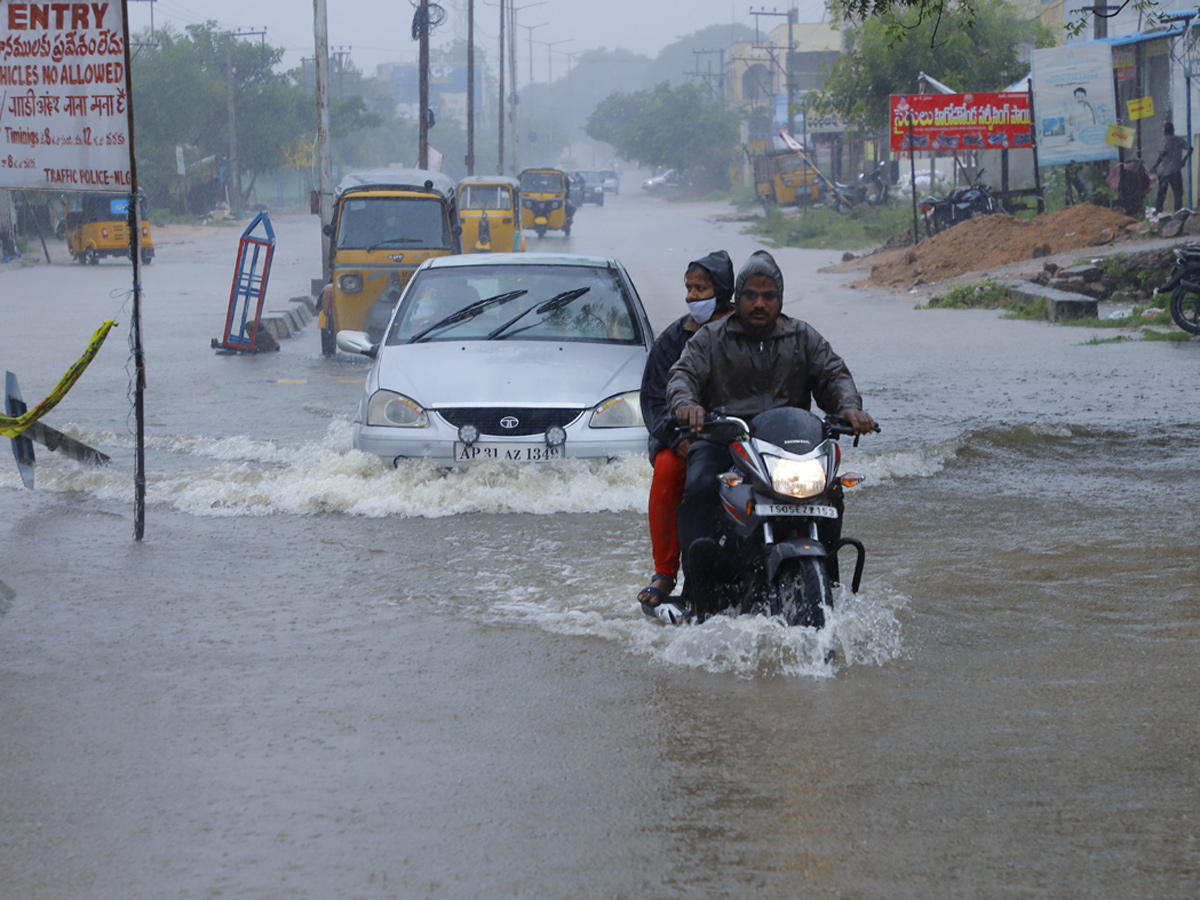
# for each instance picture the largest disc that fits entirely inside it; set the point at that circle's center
(244, 476)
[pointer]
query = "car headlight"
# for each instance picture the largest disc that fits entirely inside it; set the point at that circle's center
(351, 283)
(395, 411)
(796, 477)
(555, 204)
(621, 411)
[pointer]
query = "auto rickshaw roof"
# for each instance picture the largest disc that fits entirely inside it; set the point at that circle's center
(489, 179)
(544, 169)
(398, 180)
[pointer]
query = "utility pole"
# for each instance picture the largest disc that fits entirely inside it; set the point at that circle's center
(470, 160)
(549, 67)
(235, 176)
(512, 72)
(530, 28)
(423, 63)
(771, 48)
(500, 142)
(324, 156)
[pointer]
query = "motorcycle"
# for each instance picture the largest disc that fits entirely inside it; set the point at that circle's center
(871, 187)
(1184, 286)
(781, 521)
(959, 205)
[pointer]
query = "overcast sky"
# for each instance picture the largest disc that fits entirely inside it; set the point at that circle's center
(379, 31)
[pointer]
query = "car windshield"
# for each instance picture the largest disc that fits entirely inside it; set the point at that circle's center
(542, 183)
(372, 223)
(600, 310)
(485, 196)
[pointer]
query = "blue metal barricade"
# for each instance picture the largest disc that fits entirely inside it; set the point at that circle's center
(249, 286)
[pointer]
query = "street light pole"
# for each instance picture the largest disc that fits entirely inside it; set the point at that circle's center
(549, 45)
(530, 30)
(325, 158)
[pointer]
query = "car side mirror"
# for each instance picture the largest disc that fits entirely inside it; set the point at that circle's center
(356, 342)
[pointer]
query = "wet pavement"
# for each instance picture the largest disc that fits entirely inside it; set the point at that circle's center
(322, 677)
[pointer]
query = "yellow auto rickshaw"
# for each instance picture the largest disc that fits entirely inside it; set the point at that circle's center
(546, 202)
(386, 222)
(489, 208)
(97, 225)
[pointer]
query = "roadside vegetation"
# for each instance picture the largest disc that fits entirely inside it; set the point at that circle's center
(823, 228)
(1151, 323)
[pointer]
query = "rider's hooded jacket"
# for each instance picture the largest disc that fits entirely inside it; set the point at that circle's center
(725, 369)
(668, 346)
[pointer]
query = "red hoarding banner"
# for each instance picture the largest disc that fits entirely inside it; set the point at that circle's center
(63, 118)
(961, 121)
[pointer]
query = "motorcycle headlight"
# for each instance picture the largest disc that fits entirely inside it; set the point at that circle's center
(621, 411)
(351, 283)
(395, 411)
(796, 477)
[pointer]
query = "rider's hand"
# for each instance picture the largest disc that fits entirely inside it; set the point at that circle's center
(681, 449)
(690, 416)
(861, 422)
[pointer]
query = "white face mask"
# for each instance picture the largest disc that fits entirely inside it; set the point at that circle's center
(702, 310)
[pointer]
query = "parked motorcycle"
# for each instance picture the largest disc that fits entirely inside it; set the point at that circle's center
(959, 205)
(871, 187)
(781, 507)
(1184, 286)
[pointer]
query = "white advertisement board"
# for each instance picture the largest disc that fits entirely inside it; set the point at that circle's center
(1073, 103)
(63, 117)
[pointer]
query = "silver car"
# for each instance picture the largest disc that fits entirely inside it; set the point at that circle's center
(528, 358)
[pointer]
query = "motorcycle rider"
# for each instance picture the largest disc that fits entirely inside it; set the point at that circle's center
(755, 360)
(709, 285)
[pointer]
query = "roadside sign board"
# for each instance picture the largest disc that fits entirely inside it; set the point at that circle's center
(980, 121)
(63, 116)
(1073, 96)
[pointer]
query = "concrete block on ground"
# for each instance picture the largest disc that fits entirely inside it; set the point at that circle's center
(307, 302)
(1083, 271)
(1059, 304)
(276, 324)
(302, 311)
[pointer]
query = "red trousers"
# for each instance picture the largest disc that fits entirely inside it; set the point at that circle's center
(666, 490)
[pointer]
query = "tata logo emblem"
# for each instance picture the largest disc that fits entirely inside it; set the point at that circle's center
(396, 257)
(510, 422)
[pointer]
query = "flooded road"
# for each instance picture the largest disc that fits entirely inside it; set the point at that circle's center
(320, 677)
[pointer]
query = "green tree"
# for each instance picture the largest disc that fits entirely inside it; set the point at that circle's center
(181, 98)
(968, 50)
(682, 127)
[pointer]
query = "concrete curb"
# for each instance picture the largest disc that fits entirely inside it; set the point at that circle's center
(1059, 304)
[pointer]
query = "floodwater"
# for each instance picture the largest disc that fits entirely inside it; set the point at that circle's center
(320, 677)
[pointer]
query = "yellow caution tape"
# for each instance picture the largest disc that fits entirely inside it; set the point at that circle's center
(11, 426)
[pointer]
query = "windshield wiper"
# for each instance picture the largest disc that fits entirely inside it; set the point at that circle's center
(557, 302)
(467, 313)
(393, 240)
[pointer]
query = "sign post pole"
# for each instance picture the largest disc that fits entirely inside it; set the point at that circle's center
(135, 325)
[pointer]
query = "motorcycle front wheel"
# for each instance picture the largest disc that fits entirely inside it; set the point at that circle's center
(1185, 309)
(801, 588)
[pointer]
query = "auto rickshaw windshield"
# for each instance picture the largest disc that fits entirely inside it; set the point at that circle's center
(542, 183)
(411, 222)
(485, 196)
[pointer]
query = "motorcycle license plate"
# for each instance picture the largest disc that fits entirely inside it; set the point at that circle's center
(531, 452)
(795, 509)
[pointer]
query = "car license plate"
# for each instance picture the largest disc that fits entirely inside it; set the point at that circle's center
(794, 509)
(515, 452)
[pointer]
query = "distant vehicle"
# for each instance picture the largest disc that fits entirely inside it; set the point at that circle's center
(591, 189)
(612, 183)
(97, 225)
(521, 357)
(489, 210)
(386, 222)
(668, 179)
(546, 201)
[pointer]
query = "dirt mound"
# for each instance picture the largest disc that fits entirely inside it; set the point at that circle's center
(995, 240)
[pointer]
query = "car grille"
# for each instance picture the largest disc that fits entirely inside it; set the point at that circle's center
(529, 420)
